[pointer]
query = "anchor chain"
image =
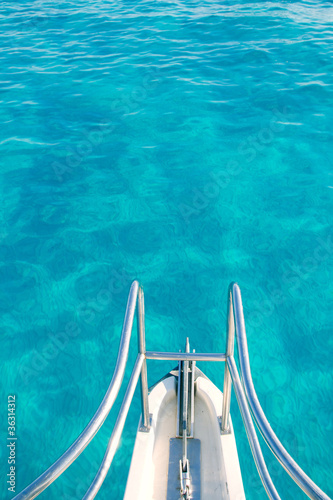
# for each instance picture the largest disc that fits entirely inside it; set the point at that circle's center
(184, 464)
(185, 481)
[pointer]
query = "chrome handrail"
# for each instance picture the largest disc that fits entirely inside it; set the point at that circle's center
(184, 356)
(289, 464)
(117, 431)
(245, 394)
(68, 457)
(250, 431)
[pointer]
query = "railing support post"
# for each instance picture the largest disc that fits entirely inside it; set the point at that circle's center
(145, 420)
(227, 378)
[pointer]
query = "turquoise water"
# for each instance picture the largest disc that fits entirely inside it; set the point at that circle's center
(185, 144)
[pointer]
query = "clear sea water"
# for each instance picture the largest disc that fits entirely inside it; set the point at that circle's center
(188, 145)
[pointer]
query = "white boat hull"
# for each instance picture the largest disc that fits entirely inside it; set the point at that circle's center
(220, 474)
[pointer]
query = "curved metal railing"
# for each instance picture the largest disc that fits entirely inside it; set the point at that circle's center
(245, 394)
(58, 467)
(251, 433)
(289, 464)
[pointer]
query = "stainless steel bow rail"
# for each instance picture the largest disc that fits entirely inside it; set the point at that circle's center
(245, 394)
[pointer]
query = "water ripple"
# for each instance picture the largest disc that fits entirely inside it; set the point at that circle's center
(186, 144)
